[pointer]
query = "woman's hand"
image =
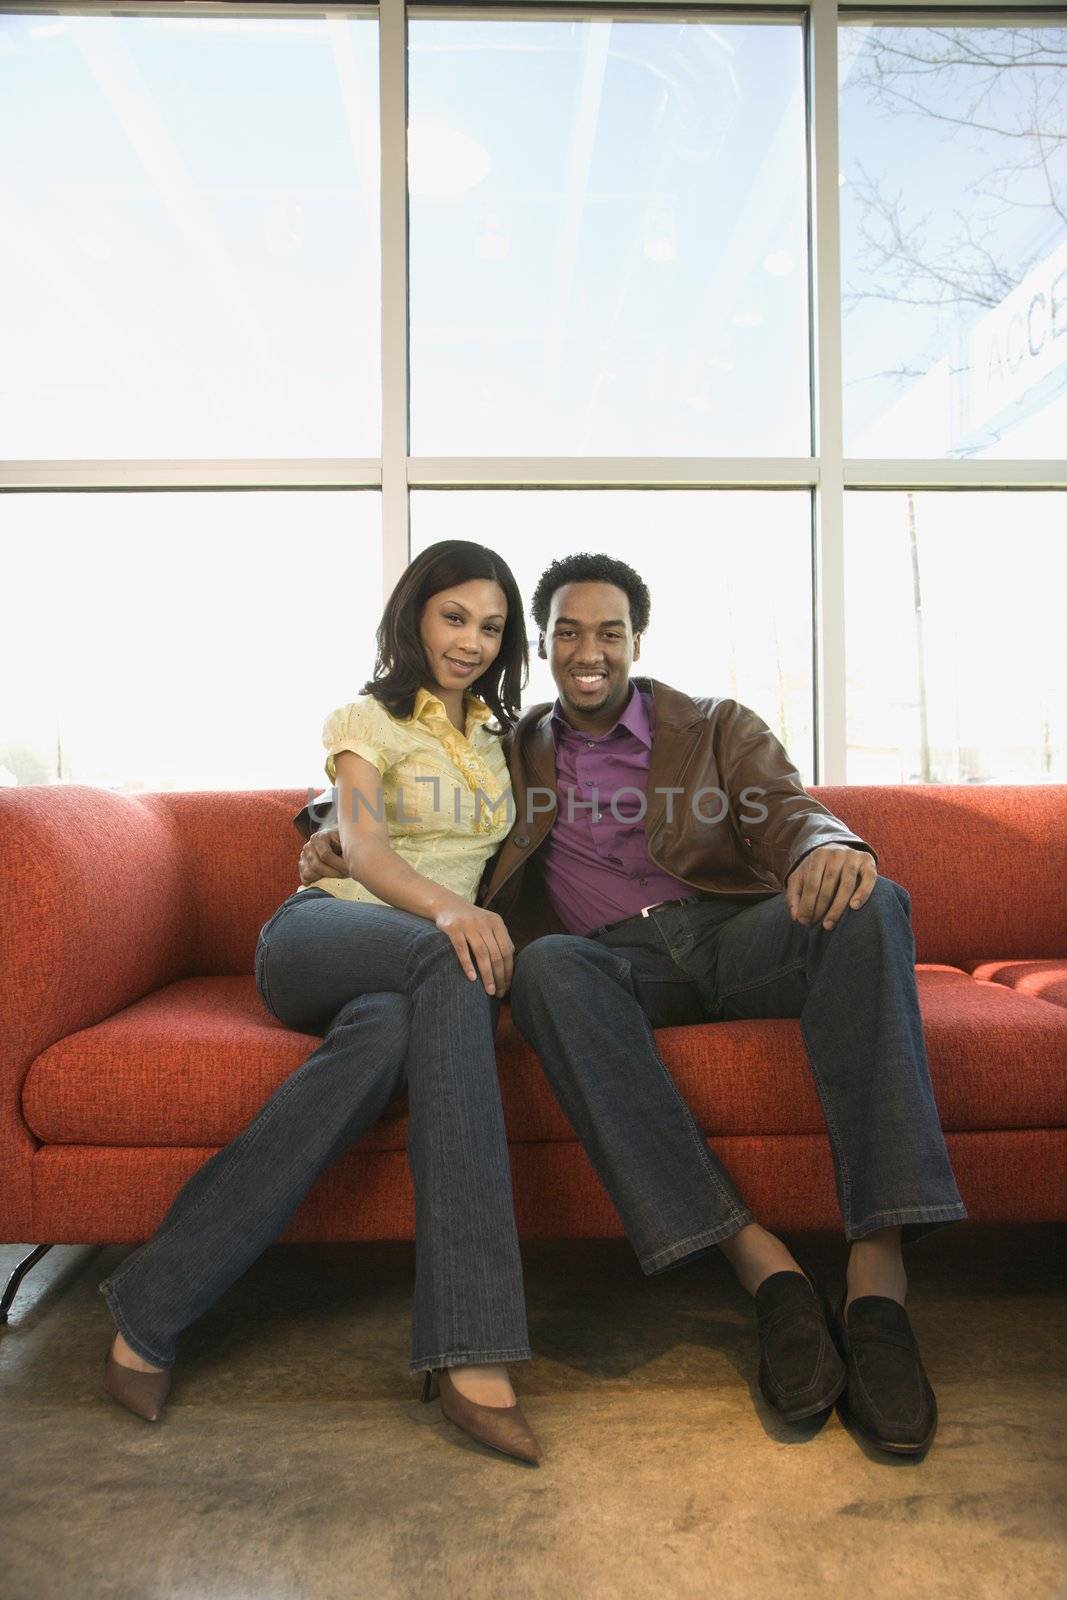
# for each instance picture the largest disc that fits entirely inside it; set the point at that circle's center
(362, 852)
(321, 858)
(480, 938)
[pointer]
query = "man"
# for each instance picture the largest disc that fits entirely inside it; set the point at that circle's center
(667, 866)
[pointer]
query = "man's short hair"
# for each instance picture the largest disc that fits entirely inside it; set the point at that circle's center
(585, 568)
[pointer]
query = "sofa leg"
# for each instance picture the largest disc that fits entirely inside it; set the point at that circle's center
(17, 1276)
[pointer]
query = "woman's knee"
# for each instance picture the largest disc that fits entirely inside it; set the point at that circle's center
(430, 945)
(436, 971)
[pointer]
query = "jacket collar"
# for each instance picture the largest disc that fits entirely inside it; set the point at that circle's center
(674, 709)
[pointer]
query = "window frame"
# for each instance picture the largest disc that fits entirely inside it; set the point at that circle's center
(826, 472)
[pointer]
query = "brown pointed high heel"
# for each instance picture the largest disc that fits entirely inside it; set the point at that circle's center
(502, 1428)
(143, 1393)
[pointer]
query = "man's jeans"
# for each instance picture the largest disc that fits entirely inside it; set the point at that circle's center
(588, 1006)
(387, 991)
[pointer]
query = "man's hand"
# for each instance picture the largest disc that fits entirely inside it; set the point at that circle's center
(321, 858)
(830, 880)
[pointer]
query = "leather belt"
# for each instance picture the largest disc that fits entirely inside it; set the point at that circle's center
(646, 911)
(660, 905)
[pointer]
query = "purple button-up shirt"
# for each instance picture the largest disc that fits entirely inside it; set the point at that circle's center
(595, 862)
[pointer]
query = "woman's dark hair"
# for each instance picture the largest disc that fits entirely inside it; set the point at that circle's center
(400, 669)
(583, 568)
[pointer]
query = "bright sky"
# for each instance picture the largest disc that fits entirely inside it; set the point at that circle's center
(608, 256)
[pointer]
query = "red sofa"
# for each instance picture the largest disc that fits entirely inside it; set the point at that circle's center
(133, 1043)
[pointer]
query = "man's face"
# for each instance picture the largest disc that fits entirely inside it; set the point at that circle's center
(590, 646)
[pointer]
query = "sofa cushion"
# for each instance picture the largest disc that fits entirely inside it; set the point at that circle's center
(984, 863)
(187, 1065)
(240, 854)
(192, 1063)
(998, 1059)
(1046, 980)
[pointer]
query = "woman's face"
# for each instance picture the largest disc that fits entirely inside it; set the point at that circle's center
(461, 631)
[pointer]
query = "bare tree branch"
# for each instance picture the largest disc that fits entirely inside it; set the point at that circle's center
(1003, 91)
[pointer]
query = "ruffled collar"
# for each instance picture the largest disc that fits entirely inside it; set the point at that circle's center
(430, 711)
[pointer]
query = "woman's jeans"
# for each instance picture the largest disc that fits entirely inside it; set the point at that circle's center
(386, 990)
(588, 1007)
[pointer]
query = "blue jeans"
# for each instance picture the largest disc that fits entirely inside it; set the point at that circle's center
(588, 1007)
(386, 990)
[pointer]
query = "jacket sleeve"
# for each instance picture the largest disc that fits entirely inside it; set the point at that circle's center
(781, 822)
(318, 816)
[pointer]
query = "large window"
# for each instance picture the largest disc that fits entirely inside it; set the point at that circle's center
(772, 303)
(954, 211)
(190, 216)
(176, 641)
(608, 238)
(957, 674)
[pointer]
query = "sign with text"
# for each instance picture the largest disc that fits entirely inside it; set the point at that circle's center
(1020, 341)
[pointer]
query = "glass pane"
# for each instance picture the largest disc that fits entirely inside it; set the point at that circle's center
(608, 238)
(957, 671)
(175, 641)
(189, 263)
(954, 232)
(713, 630)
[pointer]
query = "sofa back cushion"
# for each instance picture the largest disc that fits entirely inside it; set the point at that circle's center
(241, 852)
(986, 866)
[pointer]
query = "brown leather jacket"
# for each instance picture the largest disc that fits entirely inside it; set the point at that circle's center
(711, 759)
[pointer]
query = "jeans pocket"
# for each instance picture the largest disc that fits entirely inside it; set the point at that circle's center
(260, 971)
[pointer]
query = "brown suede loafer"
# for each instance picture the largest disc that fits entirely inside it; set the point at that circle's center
(888, 1399)
(800, 1371)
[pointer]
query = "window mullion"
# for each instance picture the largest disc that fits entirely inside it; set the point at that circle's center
(394, 270)
(829, 568)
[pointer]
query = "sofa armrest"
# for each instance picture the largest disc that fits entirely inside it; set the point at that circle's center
(95, 913)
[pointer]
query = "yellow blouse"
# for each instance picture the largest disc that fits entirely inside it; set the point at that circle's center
(447, 795)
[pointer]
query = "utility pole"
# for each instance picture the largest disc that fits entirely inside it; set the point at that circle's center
(916, 591)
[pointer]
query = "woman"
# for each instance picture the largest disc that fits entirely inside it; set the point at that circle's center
(402, 974)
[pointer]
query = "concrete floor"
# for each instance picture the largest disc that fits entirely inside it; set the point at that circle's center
(294, 1462)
